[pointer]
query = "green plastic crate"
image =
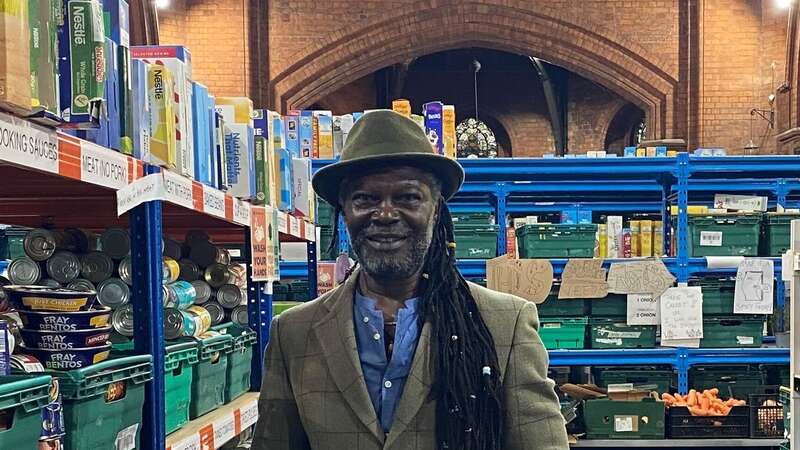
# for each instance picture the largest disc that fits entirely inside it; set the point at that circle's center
(777, 233)
(553, 307)
(208, 379)
(476, 241)
(103, 402)
(280, 292)
(298, 291)
(324, 217)
(731, 380)
(785, 394)
(179, 364)
(11, 243)
(23, 397)
(615, 333)
(325, 238)
(663, 380)
(556, 241)
(740, 234)
(240, 359)
(615, 419)
(717, 295)
(472, 218)
(613, 305)
(732, 331)
(563, 332)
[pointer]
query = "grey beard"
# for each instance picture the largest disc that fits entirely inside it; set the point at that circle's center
(402, 263)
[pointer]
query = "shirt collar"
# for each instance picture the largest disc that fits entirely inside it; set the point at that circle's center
(366, 303)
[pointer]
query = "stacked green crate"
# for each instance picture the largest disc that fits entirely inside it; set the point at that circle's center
(647, 377)
(553, 307)
(103, 403)
(616, 419)
(732, 380)
(179, 363)
(11, 239)
(725, 234)
(22, 398)
(325, 218)
(557, 241)
(208, 379)
(298, 290)
(280, 292)
(240, 358)
(609, 328)
(777, 233)
(475, 235)
(721, 327)
(561, 333)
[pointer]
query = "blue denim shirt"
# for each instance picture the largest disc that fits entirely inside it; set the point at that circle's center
(385, 379)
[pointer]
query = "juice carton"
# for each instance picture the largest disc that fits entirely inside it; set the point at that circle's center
(278, 130)
(140, 115)
(432, 112)
(220, 130)
(402, 106)
(262, 174)
(179, 61)
(285, 180)
(82, 64)
(301, 182)
(161, 101)
(45, 17)
(449, 130)
(315, 136)
(602, 240)
(626, 243)
(658, 238)
(630, 152)
(15, 57)
(338, 137)
(212, 142)
(635, 238)
(239, 145)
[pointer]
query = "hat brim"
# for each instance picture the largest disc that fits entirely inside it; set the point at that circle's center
(328, 180)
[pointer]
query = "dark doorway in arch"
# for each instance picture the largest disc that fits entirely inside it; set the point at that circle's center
(626, 129)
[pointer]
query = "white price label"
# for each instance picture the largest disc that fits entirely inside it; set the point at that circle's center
(711, 239)
(26, 144)
(250, 413)
(241, 212)
(294, 226)
(178, 189)
(745, 340)
(142, 190)
(103, 166)
(623, 424)
(213, 202)
(224, 430)
(190, 443)
(126, 439)
(283, 223)
(311, 232)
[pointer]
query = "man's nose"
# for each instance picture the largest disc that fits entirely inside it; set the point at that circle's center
(386, 213)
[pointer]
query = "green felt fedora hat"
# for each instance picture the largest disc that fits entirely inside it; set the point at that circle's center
(384, 138)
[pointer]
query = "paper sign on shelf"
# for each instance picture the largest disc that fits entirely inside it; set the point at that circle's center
(224, 430)
(740, 202)
(126, 439)
(241, 212)
(311, 232)
(249, 415)
(26, 144)
(283, 223)
(754, 287)
(682, 313)
(639, 277)
(294, 227)
(259, 244)
(583, 278)
(178, 189)
(643, 309)
(711, 239)
(190, 443)
(103, 166)
(142, 190)
(326, 273)
(530, 279)
(213, 202)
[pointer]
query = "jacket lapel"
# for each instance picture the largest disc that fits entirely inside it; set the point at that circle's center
(417, 388)
(336, 334)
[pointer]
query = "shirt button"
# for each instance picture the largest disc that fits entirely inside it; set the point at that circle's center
(387, 384)
(376, 336)
(366, 319)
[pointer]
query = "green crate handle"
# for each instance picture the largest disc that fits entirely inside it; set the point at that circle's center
(86, 382)
(243, 337)
(95, 369)
(216, 344)
(188, 354)
(26, 384)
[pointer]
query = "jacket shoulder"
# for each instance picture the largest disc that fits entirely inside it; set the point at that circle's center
(491, 300)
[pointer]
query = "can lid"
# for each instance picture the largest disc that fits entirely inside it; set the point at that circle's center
(189, 271)
(122, 320)
(216, 311)
(203, 291)
(217, 275)
(63, 266)
(173, 249)
(239, 315)
(49, 282)
(113, 293)
(125, 271)
(116, 242)
(81, 284)
(96, 266)
(204, 254)
(39, 244)
(173, 323)
(229, 296)
(24, 271)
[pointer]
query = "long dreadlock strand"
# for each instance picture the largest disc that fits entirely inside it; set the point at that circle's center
(469, 412)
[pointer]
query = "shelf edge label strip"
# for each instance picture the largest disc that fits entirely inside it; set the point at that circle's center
(29, 145)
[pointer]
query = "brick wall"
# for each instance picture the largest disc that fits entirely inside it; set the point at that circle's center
(696, 67)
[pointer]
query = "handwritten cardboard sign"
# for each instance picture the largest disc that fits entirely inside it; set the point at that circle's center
(643, 309)
(639, 277)
(583, 278)
(530, 279)
(740, 202)
(754, 287)
(682, 313)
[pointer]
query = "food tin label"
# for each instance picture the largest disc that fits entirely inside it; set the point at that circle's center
(191, 323)
(99, 321)
(173, 270)
(115, 391)
(126, 439)
(102, 356)
(201, 317)
(26, 363)
(52, 304)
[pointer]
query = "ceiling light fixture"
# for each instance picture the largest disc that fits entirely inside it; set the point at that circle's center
(785, 4)
(162, 4)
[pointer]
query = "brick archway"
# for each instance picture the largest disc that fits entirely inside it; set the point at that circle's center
(589, 49)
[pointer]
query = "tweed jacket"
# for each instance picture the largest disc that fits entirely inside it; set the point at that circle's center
(313, 395)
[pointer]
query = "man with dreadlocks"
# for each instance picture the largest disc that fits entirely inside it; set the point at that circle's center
(405, 354)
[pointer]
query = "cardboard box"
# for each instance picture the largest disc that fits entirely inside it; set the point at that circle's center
(117, 22)
(636, 238)
(203, 138)
(658, 238)
(338, 137)
(614, 236)
(432, 112)
(602, 240)
(108, 132)
(315, 136)
(325, 131)
(278, 131)
(239, 145)
(402, 106)
(449, 130)
(15, 57)
(284, 186)
(293, 134)
(161, 99)
(179, 61)
(630, 152)
(221, 149)
(45, 18)
(140, 115)
(646, 238)
(347, 124)
(82, 64)
(306, 134)
(301, 180)
(262, 174)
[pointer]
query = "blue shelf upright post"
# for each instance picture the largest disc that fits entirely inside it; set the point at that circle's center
(666, 218)
(683, 217)
(781, 192)
(311, 248)
(344, 240)
(148, 317)
(259, 312)
(501, 195)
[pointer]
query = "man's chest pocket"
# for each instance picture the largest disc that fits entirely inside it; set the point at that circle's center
(313, 376)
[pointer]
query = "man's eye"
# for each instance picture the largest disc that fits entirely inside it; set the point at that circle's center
(362, 198)
(410, 197)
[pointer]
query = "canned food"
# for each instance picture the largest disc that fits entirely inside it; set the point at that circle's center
(202, 291)
(51, 444)
(116, 243)
(181, 295)
(8, 336)
(24, 271)
(189, 271)
(14, 325)
(206, 253)
(176, 324)
(96, 266)
(81, 284)
(196, 236)
(113, 293)
(230, 296)
(39, 244)
(239, 274)
(85, 241)
(239, 315)
(26, 363)
(173, 249)
(217, 274)
(216, 311)
(171, 270)
(201, 318)
(49, 282)
(122, 320)
(125, 271)
(53, 414)
(63, 266)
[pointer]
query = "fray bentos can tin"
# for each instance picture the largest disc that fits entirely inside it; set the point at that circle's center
(39, 244)
(217, 275)
(175, 324)
(239, 315)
